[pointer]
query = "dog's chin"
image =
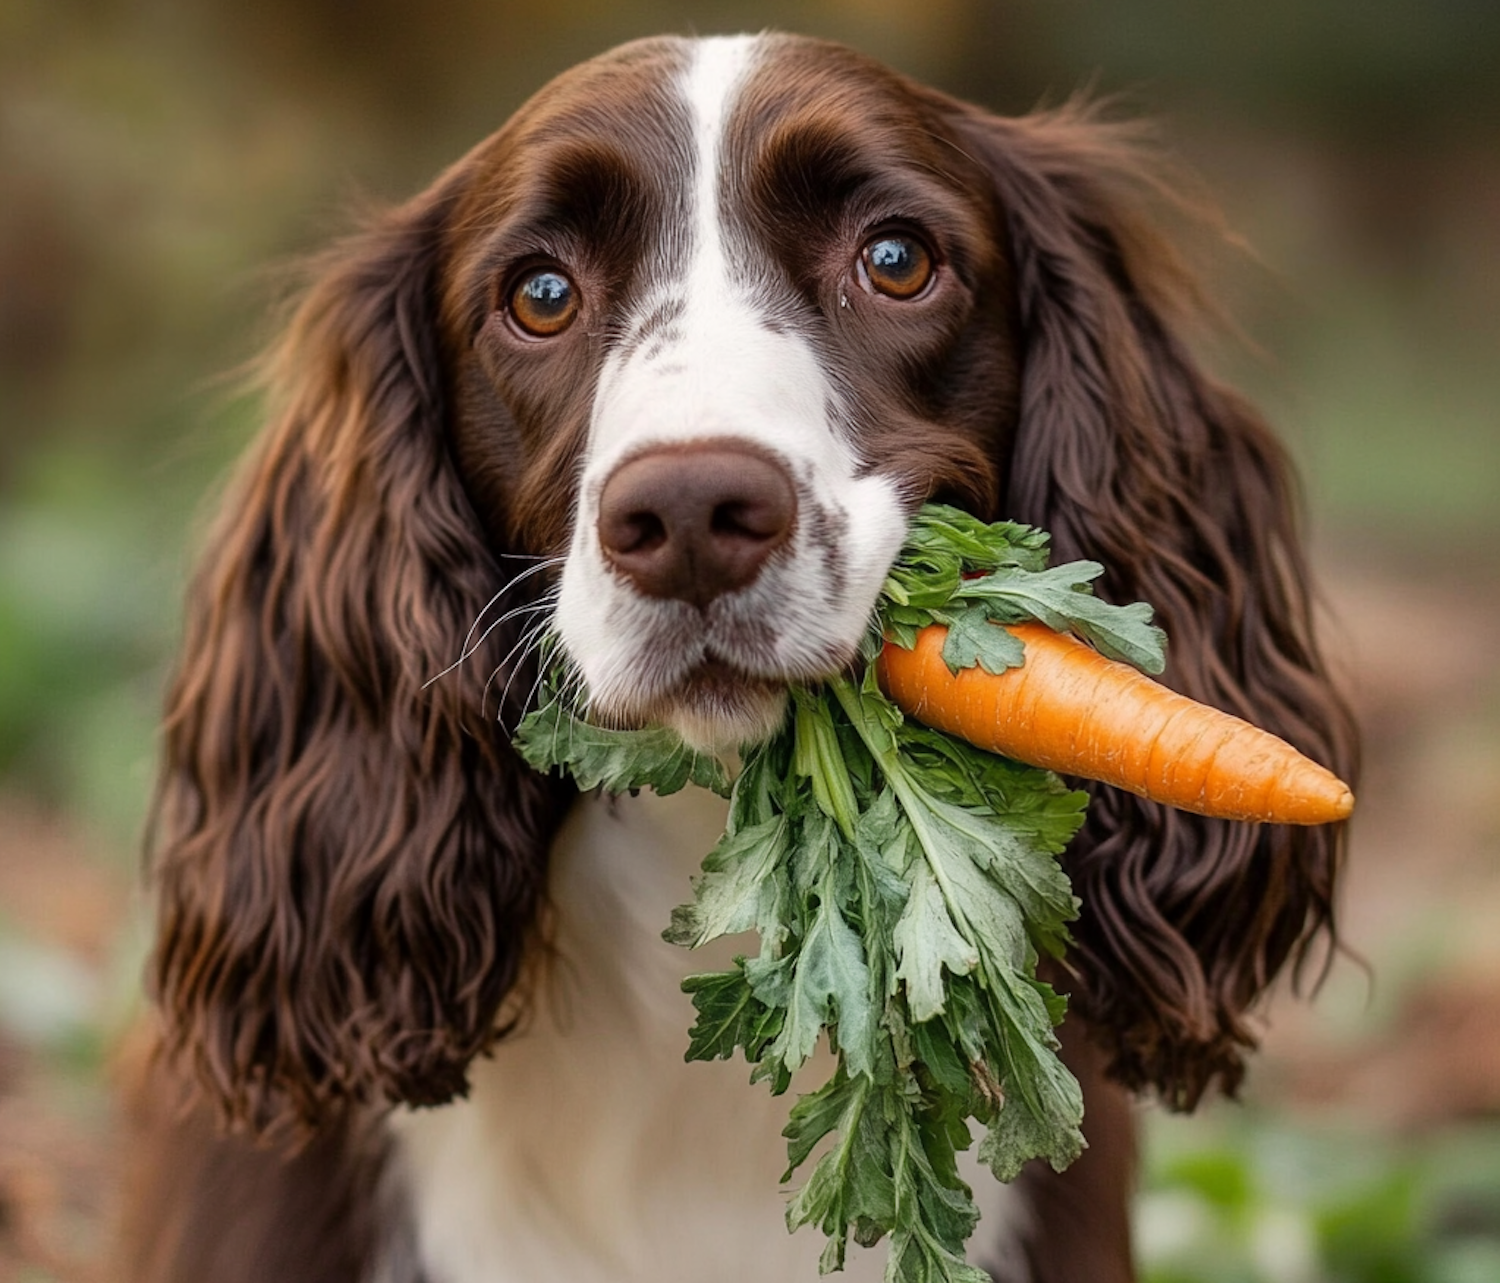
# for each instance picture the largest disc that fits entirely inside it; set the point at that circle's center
(715, 706)
(719, 709)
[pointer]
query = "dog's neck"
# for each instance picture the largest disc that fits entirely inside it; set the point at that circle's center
(587, 1149)
(619, 867)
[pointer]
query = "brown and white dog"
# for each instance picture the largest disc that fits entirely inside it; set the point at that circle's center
(668, 362)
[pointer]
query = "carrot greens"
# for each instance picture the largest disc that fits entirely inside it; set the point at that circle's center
(903, 885)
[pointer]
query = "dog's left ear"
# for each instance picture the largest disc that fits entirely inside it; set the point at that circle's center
(1131, 456)
(349, 857)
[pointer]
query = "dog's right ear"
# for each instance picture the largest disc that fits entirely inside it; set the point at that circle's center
(348, 855)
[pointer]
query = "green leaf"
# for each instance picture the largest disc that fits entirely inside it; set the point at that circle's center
(742, 888)
(614, 760)
(1034, 804)
(973, 638)
(818, 758)
(936, 1215)
(827, 982)
(1000, 895)
(903, 885)
(1018, 1134)
(956, 838)
(941, 533)
(851, 1186)
(927, 943)
(1060, 598)
(729, 1016)
(941, 1057)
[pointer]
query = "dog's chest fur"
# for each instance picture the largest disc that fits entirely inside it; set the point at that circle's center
(588, 1148)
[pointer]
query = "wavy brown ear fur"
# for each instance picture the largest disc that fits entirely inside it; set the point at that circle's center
(1129, 455)
(348, 861)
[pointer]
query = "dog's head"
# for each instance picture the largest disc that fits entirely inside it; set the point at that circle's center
(720, 314)
(693, 335)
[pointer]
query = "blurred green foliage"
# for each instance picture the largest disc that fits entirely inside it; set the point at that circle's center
(1242, 1196)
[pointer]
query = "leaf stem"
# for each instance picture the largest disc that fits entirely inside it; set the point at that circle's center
(907, 793)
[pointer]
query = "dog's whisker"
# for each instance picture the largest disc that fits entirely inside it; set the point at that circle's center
(541, 564)
(532, 608)
(532, 640)
(513, 661)
(547, 602)
(536, 685)
(483, 610)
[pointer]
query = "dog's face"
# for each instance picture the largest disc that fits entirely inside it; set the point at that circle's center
(722, 313)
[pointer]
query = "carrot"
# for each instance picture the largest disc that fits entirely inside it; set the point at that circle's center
(1070, 709)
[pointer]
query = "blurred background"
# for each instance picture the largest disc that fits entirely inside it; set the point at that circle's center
(159, 159)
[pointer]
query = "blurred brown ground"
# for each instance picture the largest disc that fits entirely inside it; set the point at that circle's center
(58, 1140)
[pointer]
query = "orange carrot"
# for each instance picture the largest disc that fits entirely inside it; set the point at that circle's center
(1070, 709)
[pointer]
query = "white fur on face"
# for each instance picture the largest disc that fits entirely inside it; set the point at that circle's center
(715, 368)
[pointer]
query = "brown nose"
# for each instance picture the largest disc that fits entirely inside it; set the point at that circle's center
(692, 523)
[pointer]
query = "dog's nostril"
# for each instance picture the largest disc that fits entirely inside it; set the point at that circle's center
(692, 523)
(746, 520)
(640, 532)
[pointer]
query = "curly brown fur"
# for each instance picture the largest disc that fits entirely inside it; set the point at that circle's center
(349, 860)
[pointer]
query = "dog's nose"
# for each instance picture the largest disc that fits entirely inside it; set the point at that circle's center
(692, 523)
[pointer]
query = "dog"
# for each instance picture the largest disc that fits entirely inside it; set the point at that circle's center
(663, 368)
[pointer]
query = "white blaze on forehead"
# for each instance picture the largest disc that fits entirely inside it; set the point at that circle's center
(718, 368)
(713, 79)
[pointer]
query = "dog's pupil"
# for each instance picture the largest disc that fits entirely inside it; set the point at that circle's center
(547, 293)
(893, 258)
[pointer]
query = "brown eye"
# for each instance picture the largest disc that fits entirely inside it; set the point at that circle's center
(896, 265)
(544, 303)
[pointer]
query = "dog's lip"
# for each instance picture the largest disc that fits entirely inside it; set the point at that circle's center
(718, 687)
(715, 673)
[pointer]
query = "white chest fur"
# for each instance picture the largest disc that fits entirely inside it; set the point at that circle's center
(588, 1150)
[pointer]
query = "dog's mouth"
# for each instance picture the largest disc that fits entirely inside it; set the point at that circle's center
(718, 678)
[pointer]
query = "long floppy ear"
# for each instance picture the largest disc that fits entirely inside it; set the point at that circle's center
(348, 860)
(1129, 455)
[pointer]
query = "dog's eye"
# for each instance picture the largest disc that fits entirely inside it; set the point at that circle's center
(896, 265)
(544, 302)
